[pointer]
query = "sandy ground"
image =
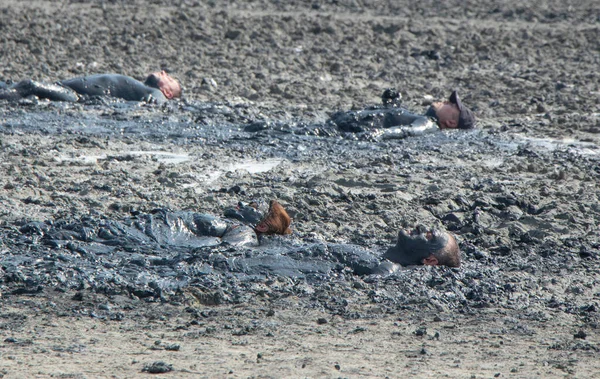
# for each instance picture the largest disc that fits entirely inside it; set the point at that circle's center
(291, 342)
(521, 193)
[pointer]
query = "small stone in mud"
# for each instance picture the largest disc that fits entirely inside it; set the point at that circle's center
(104, 307)
(585, 253)
(338, 367)
(172, 347)
(423, 351)
(158, 367)
(421, 331)
(78, 296)
(322, 320)
(580, 334)
(589, 308)
(257, 126)
(209, 83)
(232, 34)
(479, 254)
(235, 189)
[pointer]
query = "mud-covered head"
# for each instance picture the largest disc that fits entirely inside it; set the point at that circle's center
(168, 85)
(276, 221)
(451, 114)
(424, 246)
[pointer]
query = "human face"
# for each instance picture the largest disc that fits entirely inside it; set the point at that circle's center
(447, 114)
(167, 85)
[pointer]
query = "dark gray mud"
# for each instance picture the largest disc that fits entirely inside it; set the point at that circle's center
(261, 80)
(523, 210)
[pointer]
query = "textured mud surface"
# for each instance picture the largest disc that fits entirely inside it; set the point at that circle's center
(102, 274)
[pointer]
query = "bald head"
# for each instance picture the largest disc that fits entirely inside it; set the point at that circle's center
(165, 83)
(425, 247)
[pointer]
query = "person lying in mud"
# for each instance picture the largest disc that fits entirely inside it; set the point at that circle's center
(398, 122)
(157, 88)
(422, 246)
(275, 221)
(418, 247)
(161, 228)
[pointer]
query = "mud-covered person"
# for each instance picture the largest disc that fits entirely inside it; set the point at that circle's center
(423, 246)
(157, 88)
(394, 121)
(275, 221)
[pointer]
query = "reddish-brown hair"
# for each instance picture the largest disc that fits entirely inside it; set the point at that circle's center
(276, 221)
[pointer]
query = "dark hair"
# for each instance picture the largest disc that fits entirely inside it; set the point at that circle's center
(152, 81)
(466, 118)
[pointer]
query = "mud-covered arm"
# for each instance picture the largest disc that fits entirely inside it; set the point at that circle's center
(401, 117)
(419, 125)
(154, 96)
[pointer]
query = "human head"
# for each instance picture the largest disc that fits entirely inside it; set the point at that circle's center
(452, 114)
(165, 83)
(425, 247)
(276, 221)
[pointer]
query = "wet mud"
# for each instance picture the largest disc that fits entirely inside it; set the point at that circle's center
(120, 203)
(349, 196)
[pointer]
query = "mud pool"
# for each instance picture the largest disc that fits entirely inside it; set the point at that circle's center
(348, 193)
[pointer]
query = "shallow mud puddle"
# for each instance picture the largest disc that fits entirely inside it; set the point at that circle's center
(547, 143)
(254, 167)
(584, 148)
(159, 156)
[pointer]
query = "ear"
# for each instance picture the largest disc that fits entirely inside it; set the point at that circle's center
(450, 124)
(167, 92)
(262, 228)
(430, 261)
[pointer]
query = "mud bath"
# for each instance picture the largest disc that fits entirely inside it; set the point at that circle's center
(261, 81)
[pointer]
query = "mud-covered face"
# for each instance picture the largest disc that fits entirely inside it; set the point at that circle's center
(276, 221)
(446, 114)
(421, 246)
(165, 83)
